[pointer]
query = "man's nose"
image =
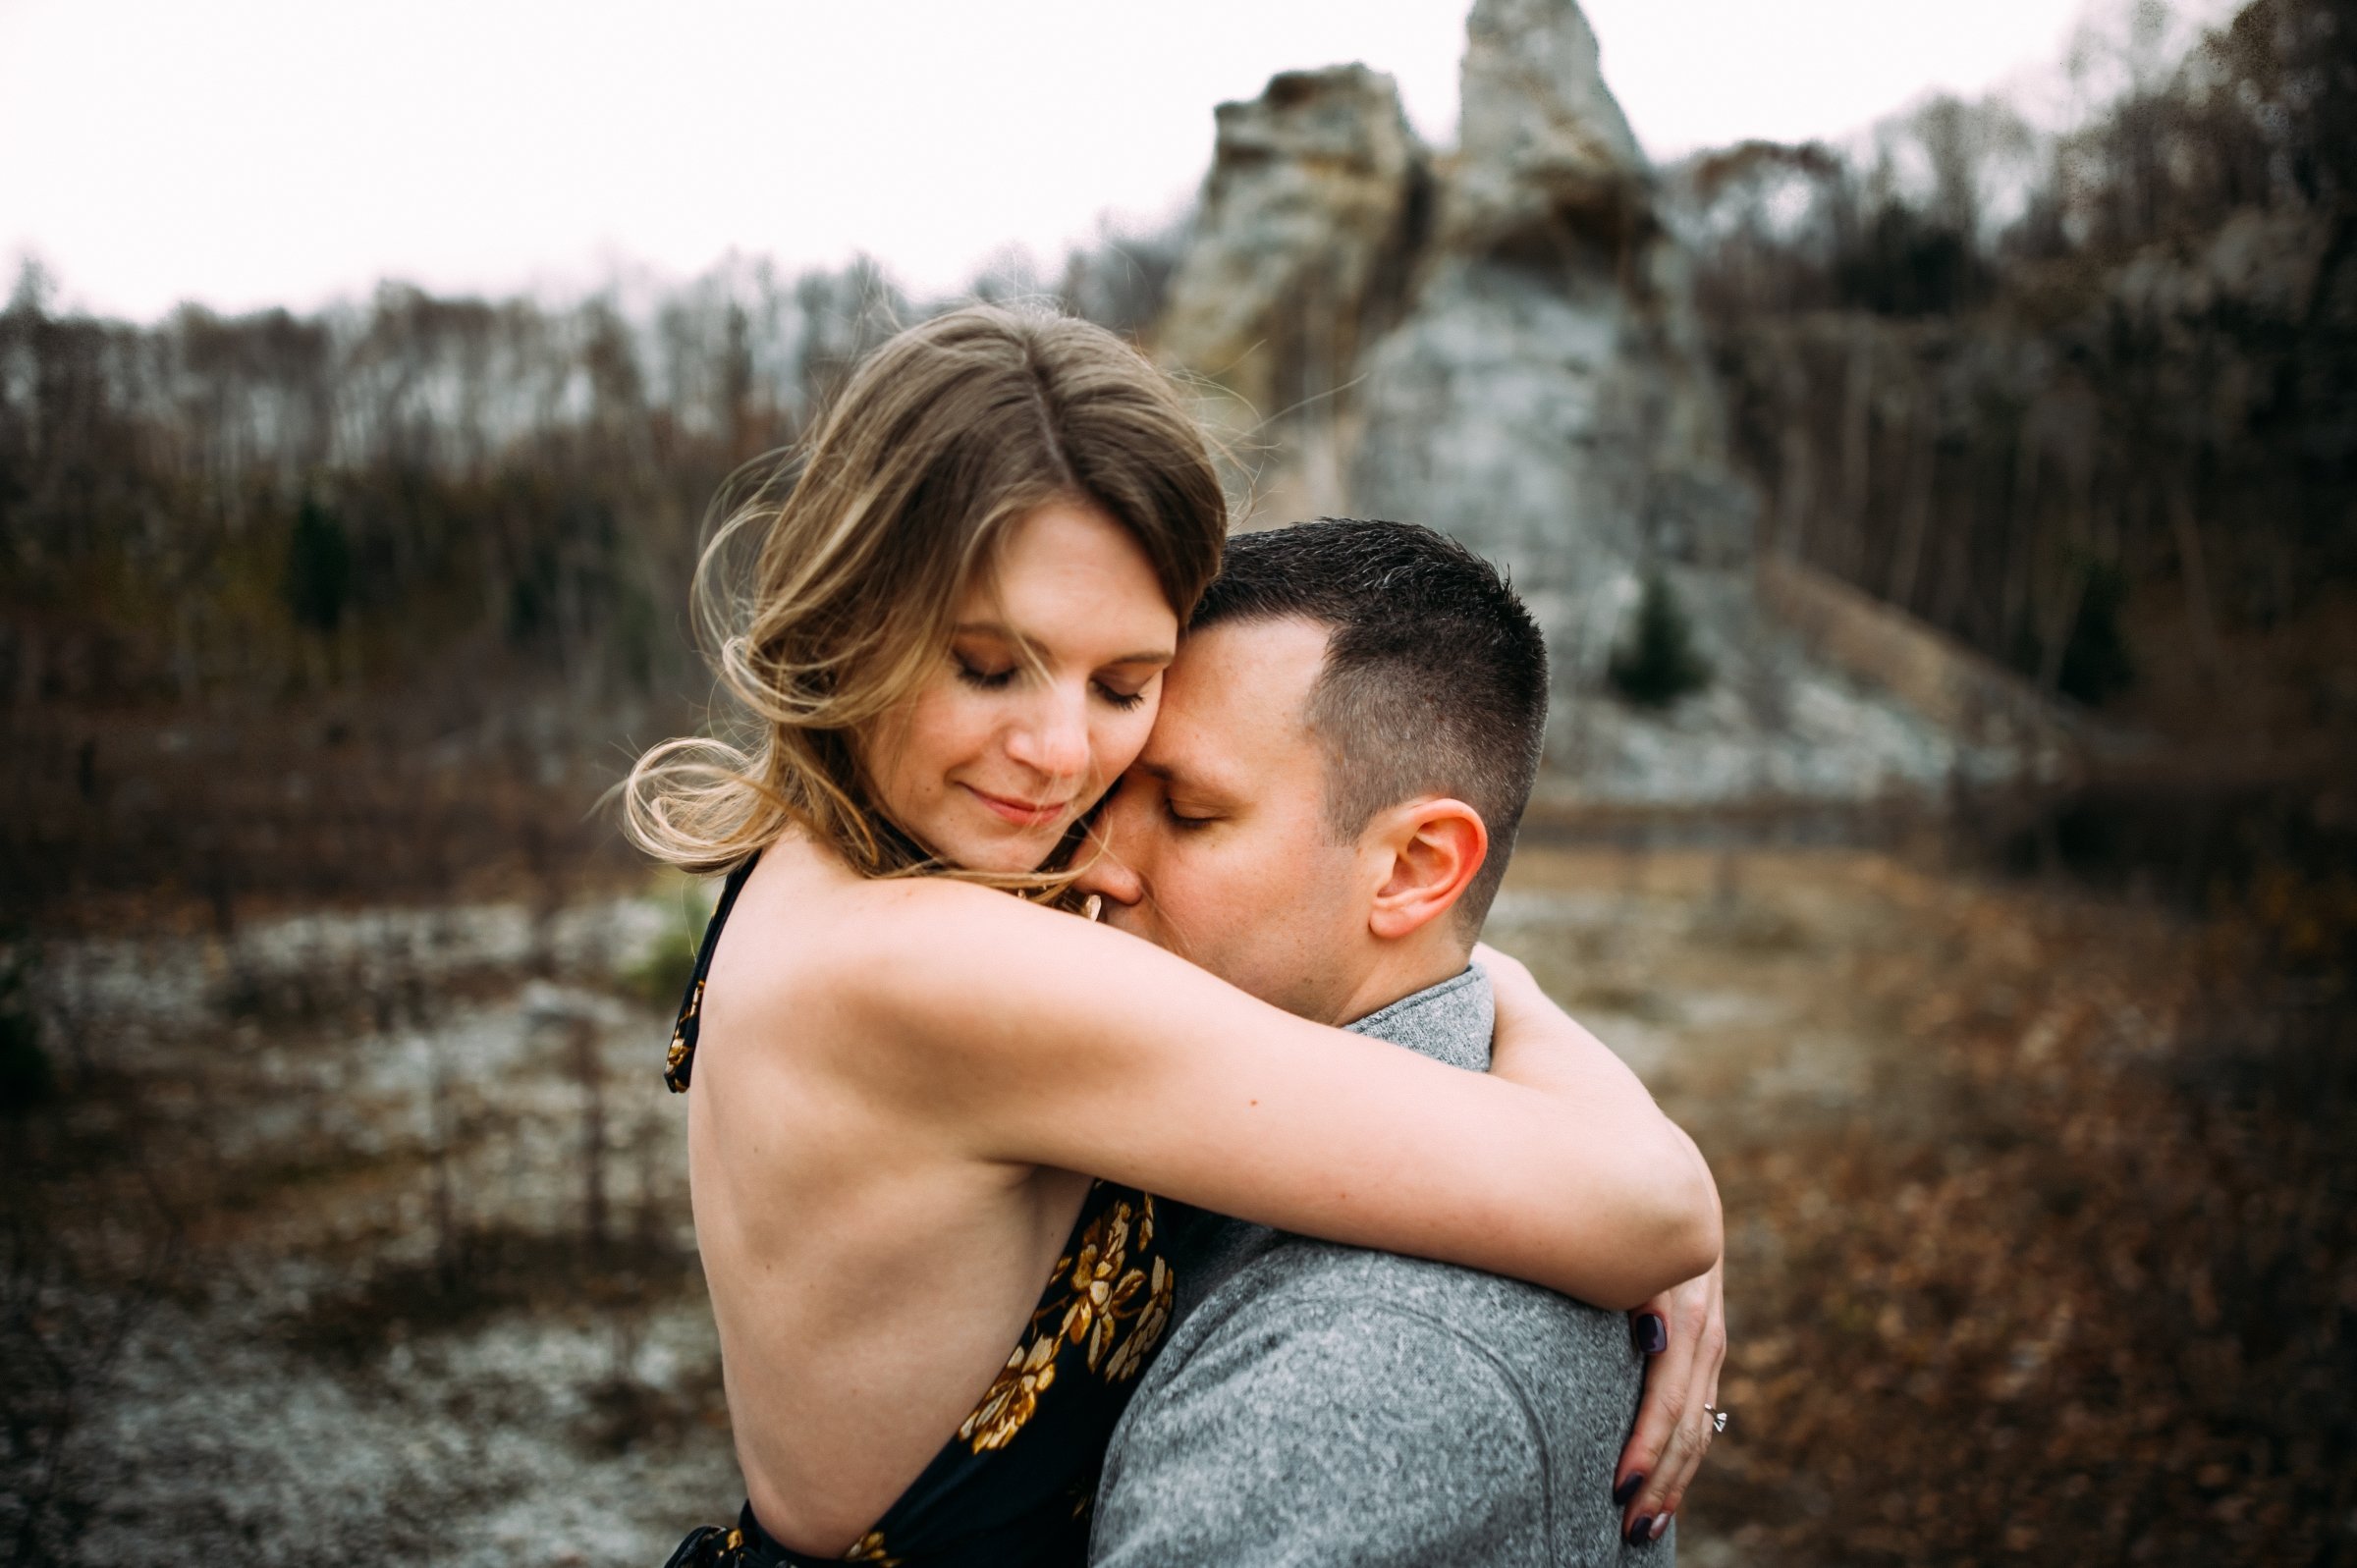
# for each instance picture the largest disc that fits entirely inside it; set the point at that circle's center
(1053, 738)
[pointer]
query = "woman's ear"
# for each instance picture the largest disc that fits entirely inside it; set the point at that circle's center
(1436, 847)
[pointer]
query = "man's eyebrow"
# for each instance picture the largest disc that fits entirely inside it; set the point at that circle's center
(1177, 779)
(992, 628)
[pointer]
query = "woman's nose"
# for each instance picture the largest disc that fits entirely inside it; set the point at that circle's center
(1053, 739)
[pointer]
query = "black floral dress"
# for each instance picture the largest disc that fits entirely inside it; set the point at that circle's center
(1012, 1485)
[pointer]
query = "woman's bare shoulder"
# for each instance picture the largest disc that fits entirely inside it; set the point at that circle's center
(817, 935)
(934, 931)
(957, 970)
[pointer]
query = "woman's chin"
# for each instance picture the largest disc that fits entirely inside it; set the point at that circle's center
(1007, 852)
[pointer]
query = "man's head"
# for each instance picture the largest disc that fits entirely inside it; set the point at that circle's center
(1345, 743)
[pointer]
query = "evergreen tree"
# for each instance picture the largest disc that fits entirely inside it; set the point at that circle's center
(318, 568)
(1658, 663)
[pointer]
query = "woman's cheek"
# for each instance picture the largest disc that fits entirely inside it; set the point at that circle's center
(1128, 740)
(967, 722)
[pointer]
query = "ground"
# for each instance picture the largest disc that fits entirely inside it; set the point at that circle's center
(2039, 1226)
(371, 1228)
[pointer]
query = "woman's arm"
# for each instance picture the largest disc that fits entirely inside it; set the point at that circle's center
(1032, 1037)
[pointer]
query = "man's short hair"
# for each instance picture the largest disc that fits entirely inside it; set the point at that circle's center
(1435, 681)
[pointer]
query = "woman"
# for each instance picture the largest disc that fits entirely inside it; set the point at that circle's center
(896, 1080)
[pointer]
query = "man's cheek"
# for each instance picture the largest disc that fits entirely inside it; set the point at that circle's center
(1194, 901)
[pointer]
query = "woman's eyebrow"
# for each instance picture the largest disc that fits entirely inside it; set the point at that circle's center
(992, 628)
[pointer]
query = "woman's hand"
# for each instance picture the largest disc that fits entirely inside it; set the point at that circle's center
(1684, 1331)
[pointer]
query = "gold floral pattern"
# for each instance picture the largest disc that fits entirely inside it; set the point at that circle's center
(680, 1061)
(1153, 1316)
(1012, 1396)
(871, 1548)
(1111, 1310)
(709, 1546)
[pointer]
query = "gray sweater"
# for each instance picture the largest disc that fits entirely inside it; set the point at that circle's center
(1319, 1404)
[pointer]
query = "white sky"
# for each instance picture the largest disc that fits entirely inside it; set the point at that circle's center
(249, 152)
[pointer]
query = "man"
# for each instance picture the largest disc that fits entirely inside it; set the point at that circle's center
(1322, 816)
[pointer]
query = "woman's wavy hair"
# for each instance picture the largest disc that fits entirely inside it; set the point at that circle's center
(940, 441)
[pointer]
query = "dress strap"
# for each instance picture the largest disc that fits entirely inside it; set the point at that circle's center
(679, 1061)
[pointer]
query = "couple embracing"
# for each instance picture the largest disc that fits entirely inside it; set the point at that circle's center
(1354, 1248)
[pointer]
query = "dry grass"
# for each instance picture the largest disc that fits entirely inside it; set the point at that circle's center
(2043, 1235)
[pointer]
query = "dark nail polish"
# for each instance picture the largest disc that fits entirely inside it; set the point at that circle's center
(1627, 1490)
(1653, 1334)
(1642, 1531)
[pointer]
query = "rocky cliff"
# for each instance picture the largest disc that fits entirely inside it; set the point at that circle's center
(1500, 340)
(1317, 205)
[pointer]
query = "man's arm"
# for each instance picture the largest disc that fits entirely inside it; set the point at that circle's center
(1322, 1430)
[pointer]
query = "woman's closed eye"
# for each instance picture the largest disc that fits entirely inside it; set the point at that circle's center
(1124, 700)
(1120, 687)
(983, 675)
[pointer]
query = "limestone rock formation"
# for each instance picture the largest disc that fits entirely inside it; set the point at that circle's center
(1539, 136)
(1315, 207)
(1501, 342)
(1547, 394)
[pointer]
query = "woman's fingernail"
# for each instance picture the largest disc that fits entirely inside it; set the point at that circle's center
(1642, 1531)
(1653, 1334)
(1627, 1490)
(1661, 1526)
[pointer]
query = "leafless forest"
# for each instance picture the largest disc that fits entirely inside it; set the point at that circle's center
(2082, 402)
(343, 1211)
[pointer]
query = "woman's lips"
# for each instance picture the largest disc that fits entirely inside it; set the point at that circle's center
(1022, 813)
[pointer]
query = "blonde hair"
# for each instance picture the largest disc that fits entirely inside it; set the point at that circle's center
(942, 440)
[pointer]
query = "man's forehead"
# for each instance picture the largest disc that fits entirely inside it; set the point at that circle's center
(1235, 700)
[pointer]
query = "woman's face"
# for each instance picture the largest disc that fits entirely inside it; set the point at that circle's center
(1043, 697)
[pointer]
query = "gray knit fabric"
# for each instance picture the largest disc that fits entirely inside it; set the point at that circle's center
(1319, 1404)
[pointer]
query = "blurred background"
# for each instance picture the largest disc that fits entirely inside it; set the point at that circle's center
(1925, 432)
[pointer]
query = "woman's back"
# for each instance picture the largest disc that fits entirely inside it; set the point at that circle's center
(869, 1276)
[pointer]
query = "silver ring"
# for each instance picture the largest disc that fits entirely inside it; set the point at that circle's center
(1718, 1417)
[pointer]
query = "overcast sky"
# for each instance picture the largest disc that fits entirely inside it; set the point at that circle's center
(249, 152)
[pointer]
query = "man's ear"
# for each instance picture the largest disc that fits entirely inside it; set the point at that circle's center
(1436, 847)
